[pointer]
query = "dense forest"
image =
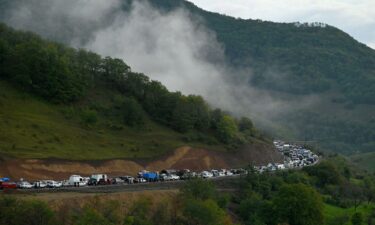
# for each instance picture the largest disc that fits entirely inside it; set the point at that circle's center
(63, 75)
(330, 193)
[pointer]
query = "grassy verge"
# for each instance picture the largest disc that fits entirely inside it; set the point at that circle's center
(334, 214)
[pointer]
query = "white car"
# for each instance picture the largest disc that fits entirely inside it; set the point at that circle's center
(25, 185)
(65, 183)
(39, 184)
(140, 180)
(165, 177)
(229, 173)
(221, 173)
(206, 174)
(54, 184)
(174, 177)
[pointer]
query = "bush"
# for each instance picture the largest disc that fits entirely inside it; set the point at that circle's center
(132, 112)
(357, 219)
(89, 117)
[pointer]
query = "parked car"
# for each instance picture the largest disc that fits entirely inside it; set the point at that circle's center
(24, 185)
(128, 179)
(104, 182)
(4, 179)
(221, 173)
(174, 177)
(92, 182)
(215, 173)
(65, 183)
(40, 184)
(165, 177)
(54, 184)
(228, 173)
(117, 180)
(206, 174)
(7, 185)
(187, 176)
(99, 176)
(140, 180)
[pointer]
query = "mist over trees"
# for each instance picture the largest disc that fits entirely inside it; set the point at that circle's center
(63, 75)
(253, 62)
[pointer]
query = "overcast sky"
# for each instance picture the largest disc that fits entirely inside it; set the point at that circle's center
(356, 17)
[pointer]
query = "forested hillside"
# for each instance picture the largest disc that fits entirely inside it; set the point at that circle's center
(295, 61)
(308, 58)
(61, 99)
(303, 60)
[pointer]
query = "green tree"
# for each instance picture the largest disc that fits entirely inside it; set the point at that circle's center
(298, 204)
(207, 212)
(132, 112)
(325, 173)
(114, 70)
(226, 129)
(191, 112)
(199, 189)
(251, 209)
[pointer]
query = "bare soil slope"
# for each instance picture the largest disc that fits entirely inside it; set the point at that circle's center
(182, 158)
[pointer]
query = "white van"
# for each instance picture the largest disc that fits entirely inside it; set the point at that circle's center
(76, 181)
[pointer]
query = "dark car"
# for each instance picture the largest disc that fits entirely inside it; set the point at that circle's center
(104, 182)
(92, 182)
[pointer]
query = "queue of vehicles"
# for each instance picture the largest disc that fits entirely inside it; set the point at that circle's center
(295, 156)
(103, 179)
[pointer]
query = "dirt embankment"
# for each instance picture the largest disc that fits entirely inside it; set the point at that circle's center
(181, 158)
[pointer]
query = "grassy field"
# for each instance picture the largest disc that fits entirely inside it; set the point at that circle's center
(33, 128)
(334, 214)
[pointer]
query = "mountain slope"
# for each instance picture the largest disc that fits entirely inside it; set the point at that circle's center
(59, 102)
(324, 78)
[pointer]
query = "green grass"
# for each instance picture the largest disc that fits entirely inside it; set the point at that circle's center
(333, 213)
(33, 128)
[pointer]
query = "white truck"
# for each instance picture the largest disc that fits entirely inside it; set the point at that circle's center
(99, 177)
